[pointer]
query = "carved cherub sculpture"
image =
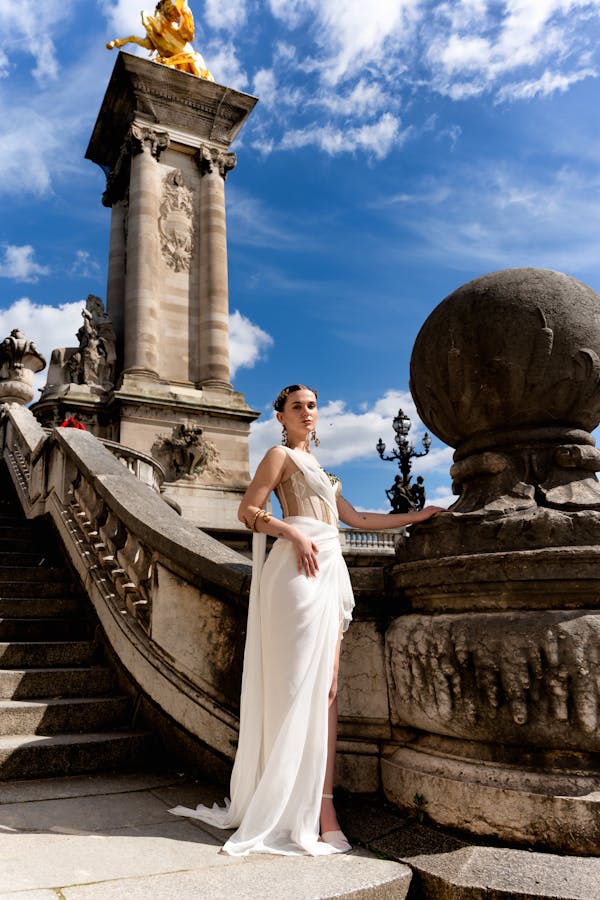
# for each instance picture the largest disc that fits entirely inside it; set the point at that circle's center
(169, 33)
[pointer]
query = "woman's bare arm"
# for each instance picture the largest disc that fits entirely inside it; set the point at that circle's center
(377, 521)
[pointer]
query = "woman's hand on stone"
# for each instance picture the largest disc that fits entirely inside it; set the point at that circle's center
(306, 555)
(430, 511)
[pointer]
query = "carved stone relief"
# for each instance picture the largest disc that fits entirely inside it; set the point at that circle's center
(187, 454)
(176, 222)
(523, 677)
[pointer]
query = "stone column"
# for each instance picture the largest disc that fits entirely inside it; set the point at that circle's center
(115, 286)
(142, 300)
(213, 370)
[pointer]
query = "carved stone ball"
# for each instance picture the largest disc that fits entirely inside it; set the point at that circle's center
(512, 350)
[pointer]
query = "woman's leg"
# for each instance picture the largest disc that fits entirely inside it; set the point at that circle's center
(329, 821)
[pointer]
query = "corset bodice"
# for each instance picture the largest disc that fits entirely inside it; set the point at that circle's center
(296, 499)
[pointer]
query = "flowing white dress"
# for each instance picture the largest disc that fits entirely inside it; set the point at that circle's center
(293, 627)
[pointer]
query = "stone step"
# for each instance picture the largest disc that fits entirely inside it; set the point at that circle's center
(39, 607)
(20, 556)
(35, 756)
(15, 530)
(36, 630)
(74, 714)
(24, 684)
(25, 587)
(17, 655)
(33, 575)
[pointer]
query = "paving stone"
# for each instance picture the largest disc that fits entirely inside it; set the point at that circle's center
(86, 815)
(496, 873)
(358, 875)
(81, 786)
(48, 860)
(29, 895)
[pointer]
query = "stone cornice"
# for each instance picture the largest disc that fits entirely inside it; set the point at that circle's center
(141, 90)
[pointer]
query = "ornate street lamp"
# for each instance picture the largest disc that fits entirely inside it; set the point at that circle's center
(402, 495)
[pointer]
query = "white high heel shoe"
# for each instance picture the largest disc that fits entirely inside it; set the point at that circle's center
(336, 839)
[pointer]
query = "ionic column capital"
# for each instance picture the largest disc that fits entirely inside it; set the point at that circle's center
(210, 159)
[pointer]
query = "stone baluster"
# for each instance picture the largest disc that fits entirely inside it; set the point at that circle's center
(213, 285)
(142, 302)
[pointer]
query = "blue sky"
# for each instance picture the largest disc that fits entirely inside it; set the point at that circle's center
(400, 148)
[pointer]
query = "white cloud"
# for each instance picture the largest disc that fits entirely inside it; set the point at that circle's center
(472, 54)
(223, 62)
(348, 436)
(18, 263)
(376, 139)
(32, 27)
(265, 86)
(364, 99)
(490, 215)
(355, 40)
(229, 16)
(546, 84)
(84, 265)
(123, 18)
(48, 326)
(247, 342)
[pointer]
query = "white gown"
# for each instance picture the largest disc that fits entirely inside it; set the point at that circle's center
(293, 627)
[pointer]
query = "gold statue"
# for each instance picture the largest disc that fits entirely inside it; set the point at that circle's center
(169, 33)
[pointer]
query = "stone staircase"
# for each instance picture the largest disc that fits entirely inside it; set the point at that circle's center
(61, 711)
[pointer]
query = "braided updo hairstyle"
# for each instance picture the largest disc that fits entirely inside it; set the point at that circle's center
(279, 401)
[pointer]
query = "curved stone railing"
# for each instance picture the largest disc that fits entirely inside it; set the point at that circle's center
(145, 468)
(172, 601)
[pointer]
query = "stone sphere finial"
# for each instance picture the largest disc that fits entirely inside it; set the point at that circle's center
(509, 349)
(507, 370)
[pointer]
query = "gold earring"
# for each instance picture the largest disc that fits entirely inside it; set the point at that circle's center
(314, 437)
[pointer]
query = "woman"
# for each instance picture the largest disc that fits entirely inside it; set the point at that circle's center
(300, 604)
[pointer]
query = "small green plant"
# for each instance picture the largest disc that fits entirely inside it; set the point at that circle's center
(420, 807)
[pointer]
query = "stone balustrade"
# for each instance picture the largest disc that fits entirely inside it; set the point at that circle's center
(145, 468)
(172, 601)
(353, 540)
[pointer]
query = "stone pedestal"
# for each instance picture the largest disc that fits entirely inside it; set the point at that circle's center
(19, 361)
(497, 668)
(163, 137)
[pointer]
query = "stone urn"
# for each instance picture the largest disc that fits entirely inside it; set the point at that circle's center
(496, 668)
(19, 361)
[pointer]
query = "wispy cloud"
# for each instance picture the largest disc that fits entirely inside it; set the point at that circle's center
(491, 215)
(32, 27)
(84, 265)
(376, 139)
(230, 16)
(548, 83)
(248, 343)
(19, 264)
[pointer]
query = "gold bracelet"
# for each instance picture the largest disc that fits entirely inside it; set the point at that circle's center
(260, 514)
(253, 522)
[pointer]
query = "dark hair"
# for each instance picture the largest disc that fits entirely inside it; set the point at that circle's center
(279, 401)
